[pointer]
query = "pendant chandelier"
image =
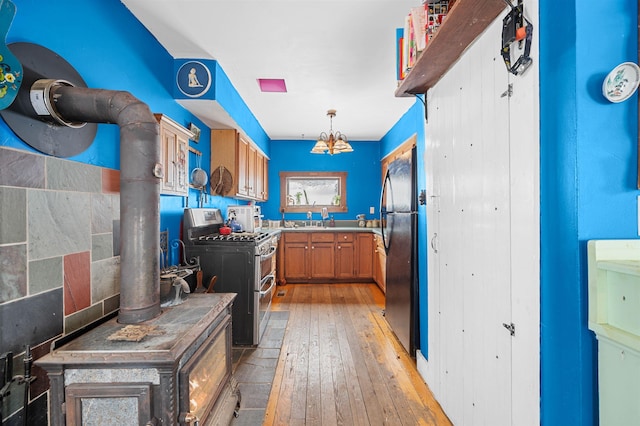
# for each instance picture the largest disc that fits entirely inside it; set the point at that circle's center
(331, 143)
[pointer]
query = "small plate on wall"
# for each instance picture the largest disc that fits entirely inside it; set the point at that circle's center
(622, 82)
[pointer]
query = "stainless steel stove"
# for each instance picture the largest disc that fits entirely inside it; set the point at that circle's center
(242, 263)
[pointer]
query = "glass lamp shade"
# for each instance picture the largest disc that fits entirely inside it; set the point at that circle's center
(320, 147)
(347, 147)
(340, 145)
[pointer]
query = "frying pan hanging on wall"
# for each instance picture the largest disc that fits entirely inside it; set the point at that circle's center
(221, 181)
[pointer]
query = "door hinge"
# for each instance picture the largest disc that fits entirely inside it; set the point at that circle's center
(508, 92)
(511, 327)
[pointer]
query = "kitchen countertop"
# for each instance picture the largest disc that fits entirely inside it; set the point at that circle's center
(325, 229)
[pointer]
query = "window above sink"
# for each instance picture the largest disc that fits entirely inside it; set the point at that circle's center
(305, 191)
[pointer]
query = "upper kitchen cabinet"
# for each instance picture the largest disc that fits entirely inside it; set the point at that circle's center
(466, 20)
(247, 166)
(262, 177)
(174, 140)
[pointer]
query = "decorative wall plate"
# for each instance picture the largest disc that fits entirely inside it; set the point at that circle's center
(622, 82)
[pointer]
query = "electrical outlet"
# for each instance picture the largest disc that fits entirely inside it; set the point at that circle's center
(372, 210)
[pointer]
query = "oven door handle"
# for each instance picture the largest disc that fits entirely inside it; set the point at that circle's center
(269, 255)
(264, 280)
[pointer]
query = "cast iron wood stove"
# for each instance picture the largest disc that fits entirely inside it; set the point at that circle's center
(178, 373)
(244, 263)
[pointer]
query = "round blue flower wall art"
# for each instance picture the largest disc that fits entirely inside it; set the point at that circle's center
(193, 79)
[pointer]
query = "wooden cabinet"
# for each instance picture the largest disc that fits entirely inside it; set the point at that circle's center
(308, 256)
(296, 260)
(364, 266)
(326, 256)
(466, 20)
(345, 255)
(174, 141)
(380, 263)
(242, 159)
(322, 255)
(242, 167)
(262, 177)
(252, 155)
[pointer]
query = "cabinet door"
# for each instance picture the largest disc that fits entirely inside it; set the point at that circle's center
(224, 152)
(252, 155)
(174, 142)
(242, 167)
(295, 261)
(262, 165)
(182, 158)
(322, 260)
(280, 271)
(169, 147)
(364, 265)
(380, 263)
(258, 176)
(265, 178)
(345, 259)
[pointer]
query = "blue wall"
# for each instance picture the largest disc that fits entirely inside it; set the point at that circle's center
(231, 101)
(112, 50)
(588, 152)
(362, 167)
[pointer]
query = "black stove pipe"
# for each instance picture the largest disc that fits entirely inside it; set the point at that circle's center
(140, 173)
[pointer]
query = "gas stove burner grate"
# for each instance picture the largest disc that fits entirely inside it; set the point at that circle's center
(235, 237)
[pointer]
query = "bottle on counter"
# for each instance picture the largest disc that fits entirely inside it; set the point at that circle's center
(332, 222)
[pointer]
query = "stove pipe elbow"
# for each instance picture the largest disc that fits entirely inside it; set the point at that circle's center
(140, 173)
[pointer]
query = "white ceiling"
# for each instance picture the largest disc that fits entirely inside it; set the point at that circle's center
(333, 55)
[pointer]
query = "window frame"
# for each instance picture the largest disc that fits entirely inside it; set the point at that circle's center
(303, 208)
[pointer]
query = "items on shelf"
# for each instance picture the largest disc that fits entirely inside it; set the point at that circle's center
(420, 25)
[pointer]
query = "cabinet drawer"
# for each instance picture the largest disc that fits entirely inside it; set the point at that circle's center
(345, 237)
(322, 237)
(295, 237)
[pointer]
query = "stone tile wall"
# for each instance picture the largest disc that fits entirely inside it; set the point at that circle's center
(58, 271)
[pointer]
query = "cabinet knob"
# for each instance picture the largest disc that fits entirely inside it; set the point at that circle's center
(313, 247)
(306, 247)
(344, 237)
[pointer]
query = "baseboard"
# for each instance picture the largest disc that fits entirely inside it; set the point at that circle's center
(423, 366)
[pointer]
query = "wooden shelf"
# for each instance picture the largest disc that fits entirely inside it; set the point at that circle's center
(466, 20)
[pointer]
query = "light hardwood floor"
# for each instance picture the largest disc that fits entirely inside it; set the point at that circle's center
(340, 363)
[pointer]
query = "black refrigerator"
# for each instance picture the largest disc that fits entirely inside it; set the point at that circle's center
(398, 218)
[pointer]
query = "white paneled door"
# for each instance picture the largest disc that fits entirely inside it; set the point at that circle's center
(476, 171)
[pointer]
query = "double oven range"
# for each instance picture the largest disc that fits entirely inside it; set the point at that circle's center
(244, 263)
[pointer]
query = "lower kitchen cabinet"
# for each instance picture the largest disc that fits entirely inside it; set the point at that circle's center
(379, 263)
(322, 255)
(345, 256)
(295, 264)
(364, 266)
(326, 256)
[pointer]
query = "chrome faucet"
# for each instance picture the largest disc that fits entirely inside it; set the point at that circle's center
(309, 218)
(324, 215)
